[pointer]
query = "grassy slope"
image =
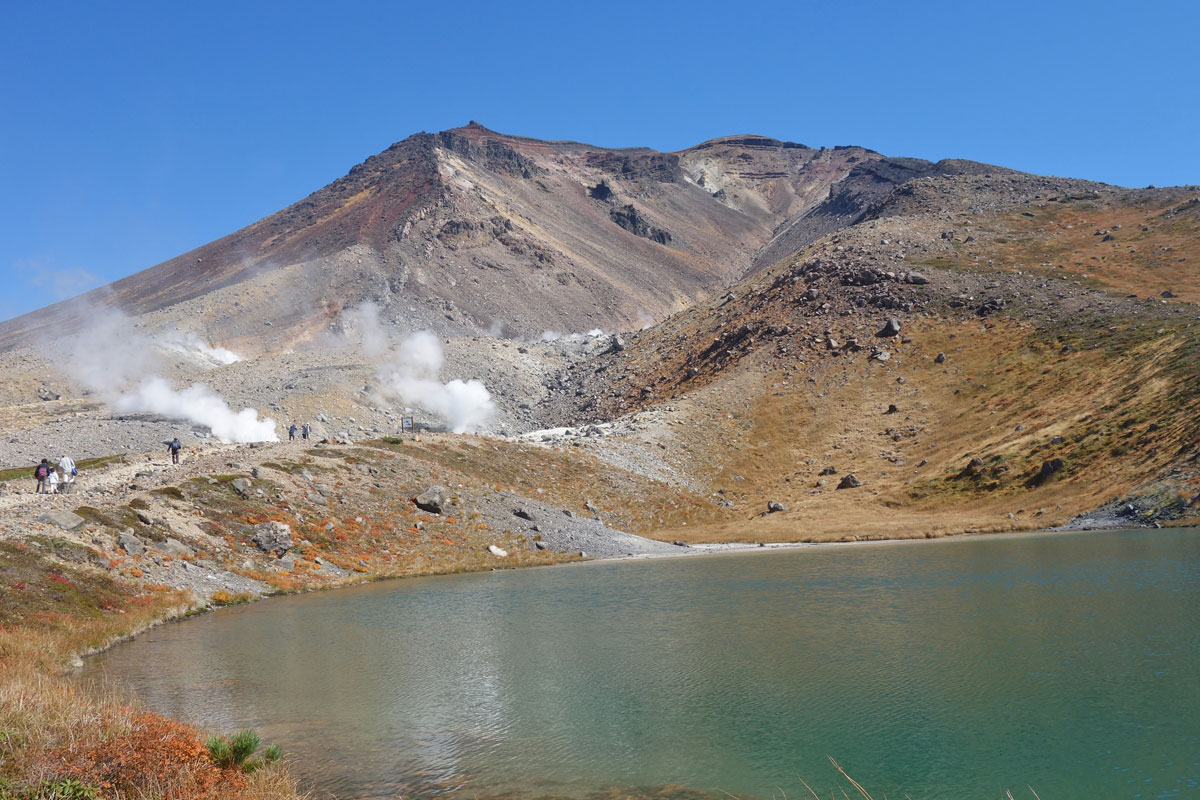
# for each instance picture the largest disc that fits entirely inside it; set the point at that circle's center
(1151, 244)
(1126, 412)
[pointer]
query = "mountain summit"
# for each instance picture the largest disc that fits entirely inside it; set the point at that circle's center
(471, 231)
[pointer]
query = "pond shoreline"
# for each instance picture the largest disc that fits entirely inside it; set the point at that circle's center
(183, 613)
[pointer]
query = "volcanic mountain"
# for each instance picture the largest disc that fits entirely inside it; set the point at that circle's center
(469, 231)
(979, 348)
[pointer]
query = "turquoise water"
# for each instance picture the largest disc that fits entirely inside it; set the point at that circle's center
(947, 669)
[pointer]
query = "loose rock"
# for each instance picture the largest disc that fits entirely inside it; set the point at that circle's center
(432, 499)
(67, 520)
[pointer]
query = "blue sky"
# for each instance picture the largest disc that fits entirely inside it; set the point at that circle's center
(132, 132)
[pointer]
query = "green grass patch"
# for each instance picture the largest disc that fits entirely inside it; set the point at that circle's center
(15, 473)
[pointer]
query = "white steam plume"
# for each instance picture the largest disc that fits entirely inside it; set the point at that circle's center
(371, 335)
(193, 345)
(554, 336)
(117, 363)
(413, 375)
(200, 405)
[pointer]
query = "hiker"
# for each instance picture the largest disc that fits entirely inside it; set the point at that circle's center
(69, 471)
(52, 481)
(175, 446)
(305, 429)
(42, 473)
(292, 433)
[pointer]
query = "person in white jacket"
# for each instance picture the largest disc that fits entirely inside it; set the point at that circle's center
(67, 465)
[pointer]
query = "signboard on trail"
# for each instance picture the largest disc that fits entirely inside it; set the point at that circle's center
(406, 424)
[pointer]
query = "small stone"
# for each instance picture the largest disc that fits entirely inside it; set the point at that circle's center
(496, 551)
(940, 359)
(890, 328)
(850, 481)
(774, 506)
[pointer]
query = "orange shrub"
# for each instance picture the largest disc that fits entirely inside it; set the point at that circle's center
(155, 755)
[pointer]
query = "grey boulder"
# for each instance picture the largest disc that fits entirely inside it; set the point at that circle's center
(273, 537)
(432, 499)
(130, 544)
(67, 520)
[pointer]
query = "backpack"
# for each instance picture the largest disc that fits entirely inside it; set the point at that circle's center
(42, 472)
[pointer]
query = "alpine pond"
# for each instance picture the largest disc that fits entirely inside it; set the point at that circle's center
(1065, 662)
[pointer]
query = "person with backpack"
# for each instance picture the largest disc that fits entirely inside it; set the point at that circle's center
(175, 446)
(292, 433)
(69, 471)
(42, 473)
(305, 429)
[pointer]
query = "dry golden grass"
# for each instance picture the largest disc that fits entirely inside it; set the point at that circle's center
(1152, 246)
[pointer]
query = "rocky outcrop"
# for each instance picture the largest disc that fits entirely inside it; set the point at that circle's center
(632, 220)
(1050, 467)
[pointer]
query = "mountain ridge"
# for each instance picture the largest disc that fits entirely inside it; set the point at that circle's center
(423, 221)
